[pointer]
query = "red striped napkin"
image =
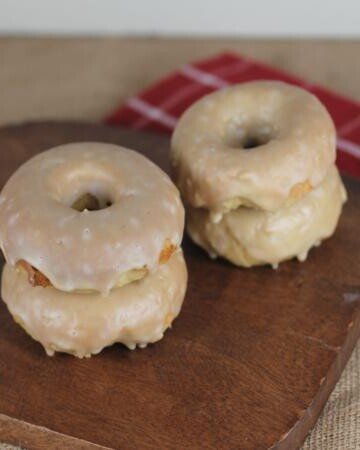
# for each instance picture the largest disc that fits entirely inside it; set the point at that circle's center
(158, 107)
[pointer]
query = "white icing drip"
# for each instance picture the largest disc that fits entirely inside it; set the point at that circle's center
(86, 234)
(134, 222)
(13, 219)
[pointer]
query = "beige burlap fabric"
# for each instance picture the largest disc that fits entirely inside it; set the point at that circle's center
(86, 78)
(338, 427)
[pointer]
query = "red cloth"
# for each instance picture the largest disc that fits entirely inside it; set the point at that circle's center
(159, 106)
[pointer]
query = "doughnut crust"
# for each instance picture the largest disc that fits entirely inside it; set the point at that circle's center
(44, 221)
(249, 237)
(83, 324)
(293, 140)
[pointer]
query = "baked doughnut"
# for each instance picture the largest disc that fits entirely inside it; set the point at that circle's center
(249, 237)
(83, 324)
(262, 144)
(89, 216)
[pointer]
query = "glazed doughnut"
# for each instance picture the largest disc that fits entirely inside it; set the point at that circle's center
(262, 144)
(89, 216)
(250, 237)
(83, 324)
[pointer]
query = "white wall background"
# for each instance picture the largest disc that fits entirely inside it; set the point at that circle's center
(325, 18)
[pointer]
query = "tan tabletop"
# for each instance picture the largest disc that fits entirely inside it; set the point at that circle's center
(87, 78)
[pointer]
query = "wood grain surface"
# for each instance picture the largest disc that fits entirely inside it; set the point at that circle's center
(249, 363)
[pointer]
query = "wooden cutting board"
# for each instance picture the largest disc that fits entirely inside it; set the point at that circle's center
(249, 363)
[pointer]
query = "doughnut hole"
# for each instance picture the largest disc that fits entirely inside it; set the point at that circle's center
(91, 202)
(248, 135)
(88, 186)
